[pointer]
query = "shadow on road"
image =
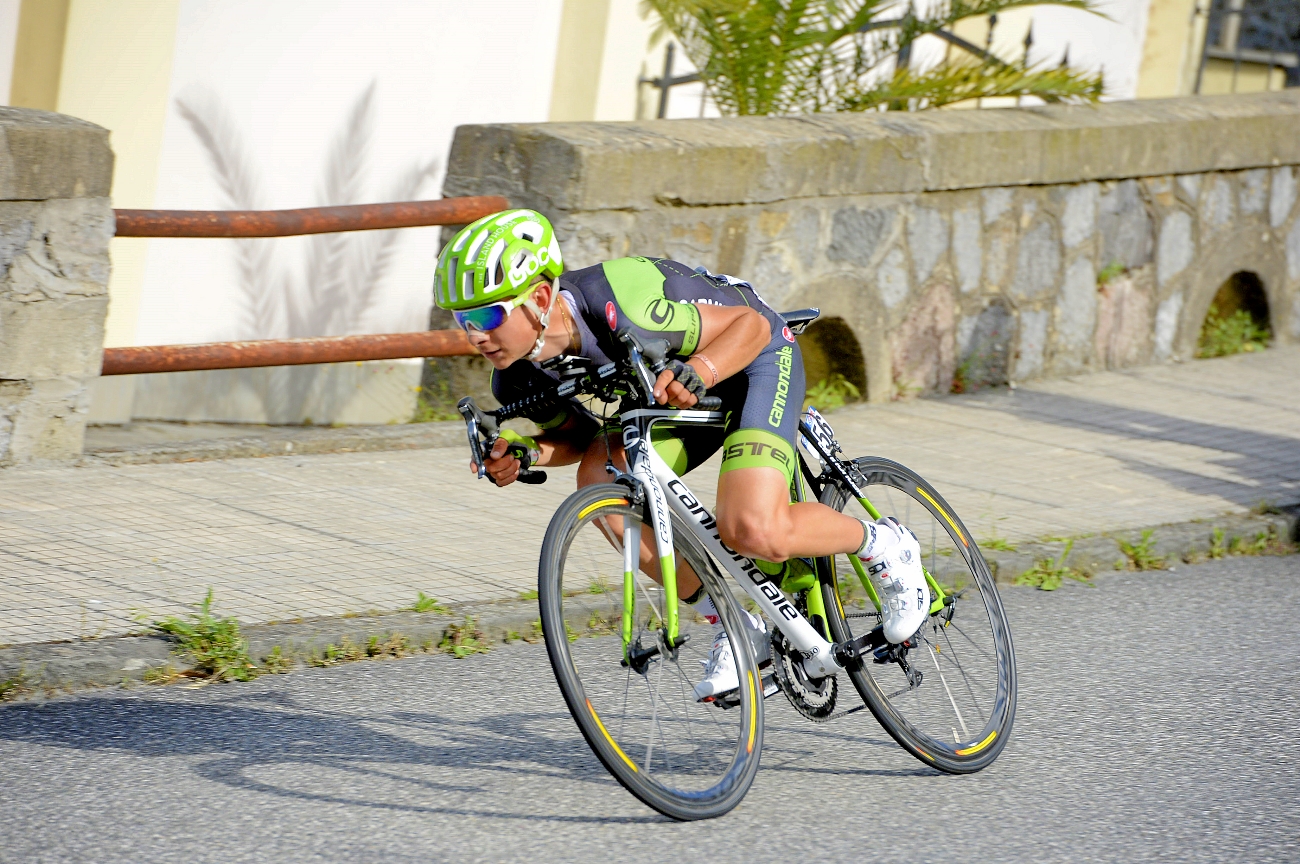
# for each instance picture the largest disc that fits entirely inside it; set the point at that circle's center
(243, 739)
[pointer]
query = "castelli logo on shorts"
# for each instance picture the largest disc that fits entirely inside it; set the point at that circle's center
(611, 316)
(785, 331)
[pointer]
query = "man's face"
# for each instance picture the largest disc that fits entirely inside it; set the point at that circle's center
(515, 338)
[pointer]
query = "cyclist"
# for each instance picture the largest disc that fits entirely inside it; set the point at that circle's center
(503, 279)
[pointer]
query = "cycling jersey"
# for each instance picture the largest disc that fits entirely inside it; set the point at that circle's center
(659, 299)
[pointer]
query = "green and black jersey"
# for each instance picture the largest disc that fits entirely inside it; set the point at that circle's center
(660, 299)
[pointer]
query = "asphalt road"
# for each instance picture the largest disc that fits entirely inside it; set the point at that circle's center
(1156, 723)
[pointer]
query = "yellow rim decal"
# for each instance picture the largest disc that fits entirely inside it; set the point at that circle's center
(960, 535)
(980, 746)
(753, 714)
(605, 732)
(582, 514)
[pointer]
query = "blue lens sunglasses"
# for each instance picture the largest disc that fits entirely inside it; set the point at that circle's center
(491, 316)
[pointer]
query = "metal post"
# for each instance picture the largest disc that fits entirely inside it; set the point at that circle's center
(664, 81)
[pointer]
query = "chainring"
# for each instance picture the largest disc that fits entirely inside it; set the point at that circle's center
(813, 698)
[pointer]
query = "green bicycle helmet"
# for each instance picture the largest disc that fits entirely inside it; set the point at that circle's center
(499, 257)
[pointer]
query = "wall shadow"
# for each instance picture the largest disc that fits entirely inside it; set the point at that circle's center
(1268, 465)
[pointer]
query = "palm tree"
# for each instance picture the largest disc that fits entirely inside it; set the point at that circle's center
(805, 56)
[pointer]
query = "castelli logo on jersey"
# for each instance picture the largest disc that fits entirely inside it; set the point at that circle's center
(611, 316)
(785, 331)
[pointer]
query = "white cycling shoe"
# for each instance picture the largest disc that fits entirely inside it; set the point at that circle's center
(720, 669)
(892, 557)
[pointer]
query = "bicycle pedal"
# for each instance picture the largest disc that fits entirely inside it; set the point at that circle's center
(770, 687)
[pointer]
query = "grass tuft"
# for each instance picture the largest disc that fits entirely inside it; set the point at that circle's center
(425, 603)
(462, 640)
(831, 393)
(214, 643)
(1140, 555)
(1048, 575)
(14, 686)
(1236, 334)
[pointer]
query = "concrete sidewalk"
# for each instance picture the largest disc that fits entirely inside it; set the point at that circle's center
(82, 550)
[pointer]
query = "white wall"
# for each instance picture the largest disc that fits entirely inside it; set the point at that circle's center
(8, 40)
(275, 82)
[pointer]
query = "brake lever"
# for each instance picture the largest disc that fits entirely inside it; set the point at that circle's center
(483, 430)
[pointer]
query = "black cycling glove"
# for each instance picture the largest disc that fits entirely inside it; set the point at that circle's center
(686, 376)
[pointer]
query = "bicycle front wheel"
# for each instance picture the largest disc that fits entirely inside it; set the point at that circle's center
(947, 695)
(636, 708)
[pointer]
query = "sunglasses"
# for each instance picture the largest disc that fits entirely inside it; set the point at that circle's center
(491, 316)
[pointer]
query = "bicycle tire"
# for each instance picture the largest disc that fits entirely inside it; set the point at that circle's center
(923, 724)
(714, 768)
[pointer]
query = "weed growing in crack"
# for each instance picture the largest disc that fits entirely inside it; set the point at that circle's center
(1140, 555)
(276, 663)
(214, 643)
(998, 544)
(1048, 575)
(462, 640)
(14, 686)
(425, 603)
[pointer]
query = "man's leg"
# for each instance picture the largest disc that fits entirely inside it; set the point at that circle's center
(592, 470)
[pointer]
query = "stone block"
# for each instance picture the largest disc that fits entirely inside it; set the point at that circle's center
(1167, 325)
(1123, 333)
(984, 343)
(927, 237)
(1216, 209)
(1038, 263)
(1125, 225)
(1282, 197)
(1253, 192)
(45, 156)
(55, 225)
(1076, 316)
(996, 202)
(1030, 343)
(1293, 251)
(1190, 186)
(966, 249)
(1176, 246)
(891, 278)
(1079, 218)
(924, 345)
(857, 234)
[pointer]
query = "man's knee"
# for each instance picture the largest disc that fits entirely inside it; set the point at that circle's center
(755, 534)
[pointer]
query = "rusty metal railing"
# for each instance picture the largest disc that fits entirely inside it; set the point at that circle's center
(311, 220)
(284, 352)
(285, 223)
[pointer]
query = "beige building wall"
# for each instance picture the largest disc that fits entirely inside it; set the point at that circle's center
(603, 49)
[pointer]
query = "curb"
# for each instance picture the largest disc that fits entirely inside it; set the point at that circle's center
(351, 439)
(51, 667)
(1179, 542)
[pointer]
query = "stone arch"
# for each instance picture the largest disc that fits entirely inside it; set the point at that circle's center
(1243, 291)
(830, 347)
(846, 297)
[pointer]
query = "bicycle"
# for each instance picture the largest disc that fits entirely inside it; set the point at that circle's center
(631, 697)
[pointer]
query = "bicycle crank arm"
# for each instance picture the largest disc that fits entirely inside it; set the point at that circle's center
(851, 651)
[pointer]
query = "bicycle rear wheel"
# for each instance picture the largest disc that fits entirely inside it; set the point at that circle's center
(949, 695)
(686, 759)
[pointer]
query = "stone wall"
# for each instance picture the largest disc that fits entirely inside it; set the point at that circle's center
(55, 224)
(962, 247)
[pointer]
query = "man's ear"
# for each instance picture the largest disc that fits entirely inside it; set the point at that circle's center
(544, 295)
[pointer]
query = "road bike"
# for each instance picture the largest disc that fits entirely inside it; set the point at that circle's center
(627, 653)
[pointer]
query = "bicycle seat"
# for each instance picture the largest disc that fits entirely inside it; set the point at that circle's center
(800, 319)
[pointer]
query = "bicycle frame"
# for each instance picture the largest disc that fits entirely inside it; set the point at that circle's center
(664, 490)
